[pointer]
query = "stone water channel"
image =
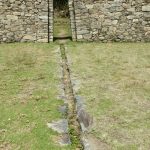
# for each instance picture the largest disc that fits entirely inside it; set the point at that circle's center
(74, 128)
(73, 123)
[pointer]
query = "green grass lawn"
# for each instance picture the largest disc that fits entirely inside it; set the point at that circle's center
(114, 81)
(62, 27)
(115, 84)
(28, 96)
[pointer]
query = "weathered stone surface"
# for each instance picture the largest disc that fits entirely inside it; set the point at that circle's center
(22, 21)
(146, 8)
(28, 37)
(84, 118)
(98, 20)
(112, 20)
(60, 126)
(64, 140)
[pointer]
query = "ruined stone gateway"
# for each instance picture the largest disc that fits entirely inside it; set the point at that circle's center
(91, 20)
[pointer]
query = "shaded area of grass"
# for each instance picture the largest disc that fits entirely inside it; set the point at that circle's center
(28, 96)
(115, 81)
(62, 27)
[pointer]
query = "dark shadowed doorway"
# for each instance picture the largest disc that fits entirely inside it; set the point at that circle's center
(62, 27)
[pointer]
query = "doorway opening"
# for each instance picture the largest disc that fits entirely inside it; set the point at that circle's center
(62, 27)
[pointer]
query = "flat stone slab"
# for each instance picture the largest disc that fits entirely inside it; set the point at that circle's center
(60, 126)
(65, 140)
(63, 109)
(84, 118)
(92, 143)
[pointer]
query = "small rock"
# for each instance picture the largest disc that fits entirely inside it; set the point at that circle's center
(65, 140)
(60, 126)
(63, 109)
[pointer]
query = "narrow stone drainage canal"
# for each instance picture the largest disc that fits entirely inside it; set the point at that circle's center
(73, 128)
(73, 122)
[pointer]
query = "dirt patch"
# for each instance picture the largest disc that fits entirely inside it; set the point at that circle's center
(8, 146)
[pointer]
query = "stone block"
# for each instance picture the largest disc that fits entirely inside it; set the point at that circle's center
(28, 37)
(146, 8)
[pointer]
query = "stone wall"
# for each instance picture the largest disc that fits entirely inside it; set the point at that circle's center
(91, 20)
(72, 20)
(112, 20)
(26, 20)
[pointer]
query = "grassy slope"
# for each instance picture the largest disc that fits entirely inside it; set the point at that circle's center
(28, 96)
(115, 79)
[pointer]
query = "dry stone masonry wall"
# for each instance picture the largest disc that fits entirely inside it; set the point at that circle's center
(25, 20)
(112, 20)
(91, 20)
